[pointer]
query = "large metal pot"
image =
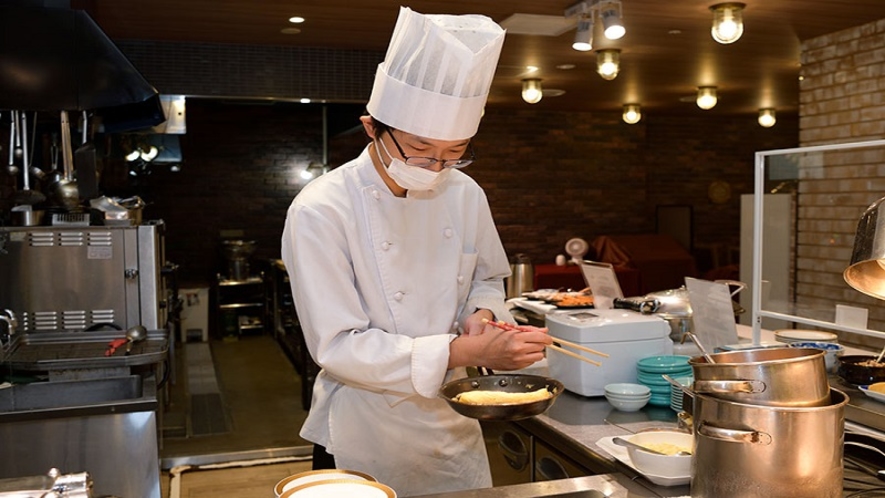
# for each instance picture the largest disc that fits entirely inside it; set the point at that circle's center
(768, 377)
(750, 451)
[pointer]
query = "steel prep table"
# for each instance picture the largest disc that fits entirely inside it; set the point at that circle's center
(573, 425)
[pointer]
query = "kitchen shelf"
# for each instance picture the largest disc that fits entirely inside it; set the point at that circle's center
(241, 305)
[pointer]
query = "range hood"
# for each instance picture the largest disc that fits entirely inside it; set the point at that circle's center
(54, 59)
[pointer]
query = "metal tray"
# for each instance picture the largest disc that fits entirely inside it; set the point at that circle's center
(65, 350)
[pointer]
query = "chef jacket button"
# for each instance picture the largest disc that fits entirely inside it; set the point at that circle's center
(448, 232)
(385, 245)
(398, 296)
(460, 279)
(376, 194)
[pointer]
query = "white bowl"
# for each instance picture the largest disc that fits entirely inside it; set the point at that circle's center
(670, 466)
(627, 404)
(627, 389)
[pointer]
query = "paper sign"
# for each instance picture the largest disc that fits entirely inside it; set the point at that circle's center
(603, 283)
(712, 313)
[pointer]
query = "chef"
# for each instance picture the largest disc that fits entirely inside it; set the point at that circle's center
(395, 263)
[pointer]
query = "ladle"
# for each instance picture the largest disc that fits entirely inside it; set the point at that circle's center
(135, 334)
(700, 346)
(627, 444)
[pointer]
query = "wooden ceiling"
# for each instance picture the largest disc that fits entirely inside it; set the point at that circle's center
(666, 54)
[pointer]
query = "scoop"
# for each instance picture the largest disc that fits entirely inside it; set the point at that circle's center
(135, 334)
(627, 444)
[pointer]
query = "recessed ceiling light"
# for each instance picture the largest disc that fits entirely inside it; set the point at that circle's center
(552, 92)
(565, 66)
(290, 31)
(304, 101)
(531, 69)
(296, 19)
(674, 32)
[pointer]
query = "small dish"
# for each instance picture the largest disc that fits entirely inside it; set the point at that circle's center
(878, 396)
(626, 388)
(798, 335)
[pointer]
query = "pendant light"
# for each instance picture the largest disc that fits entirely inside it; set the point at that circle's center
(767, 118)
(707, 97)
(531, 90)
(631, 114)
(728, 23)
(608, 63)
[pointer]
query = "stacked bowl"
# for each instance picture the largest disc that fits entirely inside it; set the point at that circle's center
(651, 371)
(676, 392)
(627, 397)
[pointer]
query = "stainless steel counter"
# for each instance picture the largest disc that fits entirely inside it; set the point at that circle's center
(601, 486)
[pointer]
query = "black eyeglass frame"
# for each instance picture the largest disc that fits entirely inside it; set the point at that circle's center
(426, 162)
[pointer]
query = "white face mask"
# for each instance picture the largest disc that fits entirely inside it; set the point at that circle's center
(413, 177)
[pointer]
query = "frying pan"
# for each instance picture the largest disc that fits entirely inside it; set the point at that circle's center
(511, 383)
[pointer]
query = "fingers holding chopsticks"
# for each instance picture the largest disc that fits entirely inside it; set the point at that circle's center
(554, 346)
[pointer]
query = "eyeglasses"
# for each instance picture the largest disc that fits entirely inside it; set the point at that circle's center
(426, 162)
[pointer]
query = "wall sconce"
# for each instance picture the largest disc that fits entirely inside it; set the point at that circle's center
(728, 22)
(608, 63)
(707, 97)
(613, 27)
(631, 115)
(584, 35)
(531, 90)
(767, 118)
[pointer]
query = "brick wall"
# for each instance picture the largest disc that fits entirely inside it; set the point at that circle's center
(550, 176)
(842, 100)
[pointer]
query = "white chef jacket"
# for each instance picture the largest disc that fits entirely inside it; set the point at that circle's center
(380, 284)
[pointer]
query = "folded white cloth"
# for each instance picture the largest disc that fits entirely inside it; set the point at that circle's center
(538, 307)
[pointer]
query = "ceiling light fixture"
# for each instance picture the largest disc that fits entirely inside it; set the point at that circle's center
(632, 114)
(609, 13)
(608, 63)
(296, 19)
(584, 35)
(707, 97)
(531, 90)
(767, 118)
(728, 22)
(613, 27)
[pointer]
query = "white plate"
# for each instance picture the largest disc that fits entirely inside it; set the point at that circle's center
(296, 480)
(873, 394)
(796, 335)
(620, 453)
(350, 488)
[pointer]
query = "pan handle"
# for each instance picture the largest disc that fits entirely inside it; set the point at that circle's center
(728, 386)
(733, 435)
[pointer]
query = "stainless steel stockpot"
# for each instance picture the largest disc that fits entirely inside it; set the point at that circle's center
(770, 377)
(751, 451)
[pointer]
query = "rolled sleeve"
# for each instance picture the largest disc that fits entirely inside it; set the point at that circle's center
(430, 358)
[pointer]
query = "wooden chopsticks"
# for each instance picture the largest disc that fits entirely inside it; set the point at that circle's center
(507, 326)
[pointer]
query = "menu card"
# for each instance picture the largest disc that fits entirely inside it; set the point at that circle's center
(712, 313)
(603, 283)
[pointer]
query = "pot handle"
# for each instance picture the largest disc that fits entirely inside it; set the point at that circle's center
(728, 386)
(733, 283)
(733, 435)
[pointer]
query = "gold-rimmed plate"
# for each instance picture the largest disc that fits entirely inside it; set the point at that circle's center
(310, 476)
(337, 488)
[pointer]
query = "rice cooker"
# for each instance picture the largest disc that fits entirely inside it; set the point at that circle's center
(625, 335)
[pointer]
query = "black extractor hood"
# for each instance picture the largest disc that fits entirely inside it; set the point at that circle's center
(54, 58)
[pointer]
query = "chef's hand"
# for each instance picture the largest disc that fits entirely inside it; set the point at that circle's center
(499, 349)
(477, 322)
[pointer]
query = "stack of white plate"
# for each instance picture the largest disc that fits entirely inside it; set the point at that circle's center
(676, 393)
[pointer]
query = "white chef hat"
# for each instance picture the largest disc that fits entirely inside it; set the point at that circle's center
(436, 75)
